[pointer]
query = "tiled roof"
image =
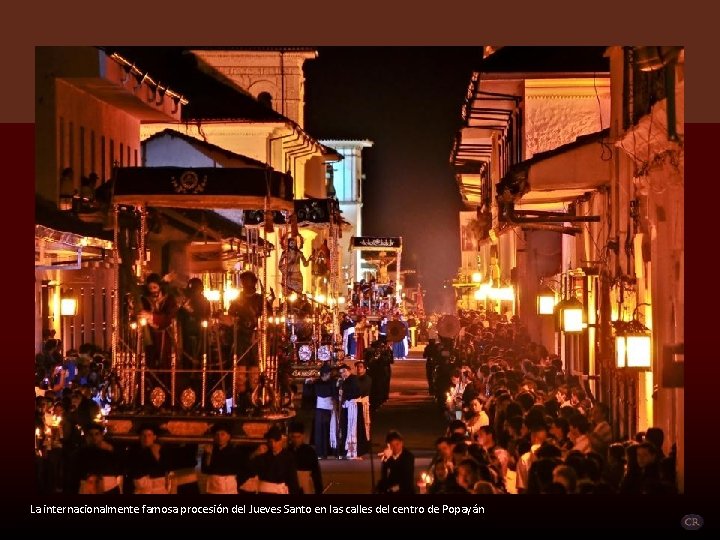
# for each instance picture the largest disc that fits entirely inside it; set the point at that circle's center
(47, 214)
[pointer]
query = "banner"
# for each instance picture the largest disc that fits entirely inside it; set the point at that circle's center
(377, 243)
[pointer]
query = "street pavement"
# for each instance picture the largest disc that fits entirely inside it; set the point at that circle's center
(410, 410)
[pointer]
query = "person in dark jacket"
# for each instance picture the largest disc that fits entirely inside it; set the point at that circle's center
(193, 310)
(221, 462)
(363, 408)
(147, 464)
(324, 391)
(98, 464)
(397, 474)
(275, 469)
(306, 460)
(348, 393)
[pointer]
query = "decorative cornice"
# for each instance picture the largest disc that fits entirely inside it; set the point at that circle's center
(567, 96)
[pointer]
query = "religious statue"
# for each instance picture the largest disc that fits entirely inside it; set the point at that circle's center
(382, 266)
(321, 267)
(290, 267)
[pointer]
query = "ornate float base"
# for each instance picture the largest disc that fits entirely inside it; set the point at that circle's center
(178, 428)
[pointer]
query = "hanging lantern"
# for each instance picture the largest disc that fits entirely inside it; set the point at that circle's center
(68, 306)
(571, 315)
(546, 301)
(633, 345)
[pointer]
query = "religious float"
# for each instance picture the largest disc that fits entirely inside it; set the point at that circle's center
(228, 369)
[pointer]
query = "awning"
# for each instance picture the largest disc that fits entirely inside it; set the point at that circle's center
(61, 250)
(64, 242)
(181, 187)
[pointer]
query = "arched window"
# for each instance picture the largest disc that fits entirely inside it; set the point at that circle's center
(266, 99)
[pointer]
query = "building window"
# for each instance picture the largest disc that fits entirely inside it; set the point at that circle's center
(136, 157)
(641, 89)
(112, 156)
(128, 156)
(330, 187)
(122, 156)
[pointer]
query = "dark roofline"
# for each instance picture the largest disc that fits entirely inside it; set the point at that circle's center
(213, 147)
(209, 97)
(516, 176)
(212, 96)
(582, 140)
(48, 215)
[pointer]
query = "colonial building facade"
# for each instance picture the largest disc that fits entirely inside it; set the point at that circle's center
(573, 179)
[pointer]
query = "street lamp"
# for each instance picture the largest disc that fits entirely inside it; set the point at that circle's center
(633, 346)
(546, 301)
(68, 306)
(68, 310)
(571, 316)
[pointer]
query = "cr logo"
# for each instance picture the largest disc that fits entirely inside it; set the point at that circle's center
(691, 522)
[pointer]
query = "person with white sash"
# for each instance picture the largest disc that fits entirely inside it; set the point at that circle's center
(184, 477)
(324, 390)
(363, 408)
(273, 471)
(98, 464)
(348, 392)
(221, 462)
(306, 460)
(147, 466)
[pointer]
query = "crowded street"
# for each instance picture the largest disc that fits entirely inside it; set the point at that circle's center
(240, 291)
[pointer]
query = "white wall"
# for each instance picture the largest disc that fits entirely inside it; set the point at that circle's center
(557, 111)
(174, 152)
